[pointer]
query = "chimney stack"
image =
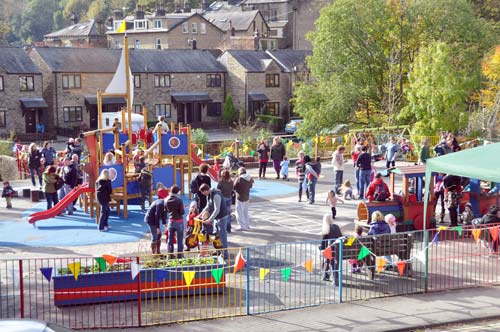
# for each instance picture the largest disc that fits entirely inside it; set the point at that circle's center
(117, 15)
(160, 10)
(139, 13)
(73, 18)
(187, 8)
(204, 5)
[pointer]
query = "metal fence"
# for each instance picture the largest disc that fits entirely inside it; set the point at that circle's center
(104, 292)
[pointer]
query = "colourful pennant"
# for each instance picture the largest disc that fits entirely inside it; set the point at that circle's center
(135, 269)
(363, 253)
(381, 262)
(188, 277)
(75, 269)
(435, 240)
(101, 262)
(442, 228)
(123, 260)
(493, 233)
(160, 276)
(110, 259)
(252, 153)
(458, 229)
(296, 145)
(327, 253)
(217, 274)
(286, 273)
(289, 144)
(309, 265)
(350, 241)
(476, 233)
(239, 262)
(47, 272)
(263, 273)
(401, 267)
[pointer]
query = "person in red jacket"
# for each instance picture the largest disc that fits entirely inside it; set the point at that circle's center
(378, 190)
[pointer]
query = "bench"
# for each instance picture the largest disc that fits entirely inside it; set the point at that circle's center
(399, 244)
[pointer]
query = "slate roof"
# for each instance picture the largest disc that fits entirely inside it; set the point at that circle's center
(255, 2)
(15, 60)
(85, 29)
(252, 61)
(82, 60)
(290, 58)
(239, 20)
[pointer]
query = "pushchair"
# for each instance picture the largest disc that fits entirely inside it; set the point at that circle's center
(231, 163)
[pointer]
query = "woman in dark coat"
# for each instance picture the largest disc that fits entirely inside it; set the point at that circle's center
(278, 152)
(104, 190)
(34, 164)
(329, 232)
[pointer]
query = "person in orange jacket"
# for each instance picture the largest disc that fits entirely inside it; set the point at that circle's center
(378, 190)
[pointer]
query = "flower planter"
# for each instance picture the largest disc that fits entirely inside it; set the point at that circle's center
(91, 288)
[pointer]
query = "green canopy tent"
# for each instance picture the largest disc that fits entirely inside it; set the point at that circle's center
(477, 163)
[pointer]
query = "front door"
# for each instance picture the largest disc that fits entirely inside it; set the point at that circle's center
(93, 117)
(189, 113)
(30, 117)
(180, 113)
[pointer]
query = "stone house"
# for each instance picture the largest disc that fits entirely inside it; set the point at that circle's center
(89, 34)
(185, 86)
(22, 106)
(261, 82)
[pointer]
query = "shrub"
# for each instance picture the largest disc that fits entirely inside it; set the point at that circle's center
(199, 136)
(276, 122)
(229, 113)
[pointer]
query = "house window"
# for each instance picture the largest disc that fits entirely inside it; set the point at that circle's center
(203, 28)
(137, 81)
(116, 25)
(273, 15)
(72, 114)
(272, 80)
(137, 44)
(163, 110)
(1, 83)
(214, 109)
(158, 43)
(162, 81)
(157, 24)
(213, 81)
(272, 108)
(26, 83)
(138, 109)
(185, 27)
(140, 24)
(71, 81)
(118, 44)
(3, 123)
(194, 27)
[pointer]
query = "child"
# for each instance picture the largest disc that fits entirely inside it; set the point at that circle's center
(390, 219)
(207, 228)
(318, 162)
(356, 265)
(193, 212)
(284, 169)
(162, 192)
(8, 193)
(347, 190)
(467, 216)
(332, 201)
(144, 178)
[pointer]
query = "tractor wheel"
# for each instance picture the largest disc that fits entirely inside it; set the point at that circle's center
(191, 241)
(217, 243)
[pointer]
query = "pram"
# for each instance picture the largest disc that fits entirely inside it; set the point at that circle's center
(232, 163)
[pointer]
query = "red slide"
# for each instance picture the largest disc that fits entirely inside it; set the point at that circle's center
(63, 203)
(197, 161)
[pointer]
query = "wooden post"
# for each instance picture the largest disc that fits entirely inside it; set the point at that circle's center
(125, 180)
(129, 106)
(189, 158)
(99, 123)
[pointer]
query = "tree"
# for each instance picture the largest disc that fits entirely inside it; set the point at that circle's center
(37, 20)
(229, 113)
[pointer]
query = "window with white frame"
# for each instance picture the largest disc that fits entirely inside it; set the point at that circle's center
(163, 110)
(137, 44)
(214, 81)
(272, 108)
(1, 83)
(185, 27)
(116, 25)
(3, 122)
(140, 24)
(118, 43)
(162, 81)
(157, 24)
(137, 81)
(71, 81)
(26, 83)
(72, 114)
(272, 80)
(194, 27)
(273, 15)
(203, 28)
(158, 43)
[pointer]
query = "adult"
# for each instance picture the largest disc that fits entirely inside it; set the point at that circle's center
(278, 152)
(153, 217)
(425, 152)
(454, 142)
(70, 177)
(103, 192)
(242, 186)
(77, 148)
(218, 213)
(300, 172)
(226, 186)
(312, 174)
(50, 179)
(364, 166)
(378, 190)
(263, 151)
(329, 232)
(34, 164)
(439, 193)
(175, 210)
(161, 125)
(378, 224)
(354, 155)
(48, 153)
(200, 179)
(440, 148)
(452, 186)
(338, 167)
(492, 217)
(109, 159)
(392, 148)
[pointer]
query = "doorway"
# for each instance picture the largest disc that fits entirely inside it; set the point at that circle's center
(30, 117)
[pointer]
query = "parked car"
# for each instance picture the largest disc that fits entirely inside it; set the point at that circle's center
(29, 325)
(337, 130)
(291, 127)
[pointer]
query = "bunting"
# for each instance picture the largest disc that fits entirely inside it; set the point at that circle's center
(135, 269)
(160, 276)
(309, 265)
(435, 240)
(239, 262)
(110, 259)
(263, 273)
(327, 253)
(286, 273)
(458, 229)
(381, 262)
(350, 241)
(476, 233)
(363, 253)
(442, 228)
(188, 277)
(401, 267)
(217, 274)
(493, 233)
(101, 262)
(75, 269)
(47, 272)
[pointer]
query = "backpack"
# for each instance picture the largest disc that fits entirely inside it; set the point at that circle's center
(380, 193)
(194, 186)
(60, 182)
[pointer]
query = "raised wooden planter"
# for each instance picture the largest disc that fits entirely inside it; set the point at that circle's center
(91, 288)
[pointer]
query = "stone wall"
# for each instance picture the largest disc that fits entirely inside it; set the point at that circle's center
(8, 168)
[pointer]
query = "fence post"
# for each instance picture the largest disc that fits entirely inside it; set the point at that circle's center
(139, 295)
(341, 248)
(21, 288)
(426, 248)
(247, 290)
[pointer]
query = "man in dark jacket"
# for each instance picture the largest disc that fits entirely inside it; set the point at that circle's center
(175, 210)
(154, 215)
(196, 184)
(492, 217)
(218, 212)
(242, 186)
(364, 165)
(70, 177)
(278, 152)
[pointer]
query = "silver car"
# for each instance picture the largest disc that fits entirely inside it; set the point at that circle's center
(29, 325)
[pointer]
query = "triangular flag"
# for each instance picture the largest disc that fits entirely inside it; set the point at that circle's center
(363, 253)
(109, 259)
(286, 273)
(101, 262)
(263, 273)
(435, 240)
(118, 83)
(442, 228)
(493, 233)
(47, 272)
(135, 269)
(217, 274)
(381, 261)
(458, 229)
(188, 277)
(160, 275)
(239, 262)
(327, 253)
(309, 265)
(75, 269)
(476, 233)
(123, 260)
(401, 267)
(420, 256)
(350, 241)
